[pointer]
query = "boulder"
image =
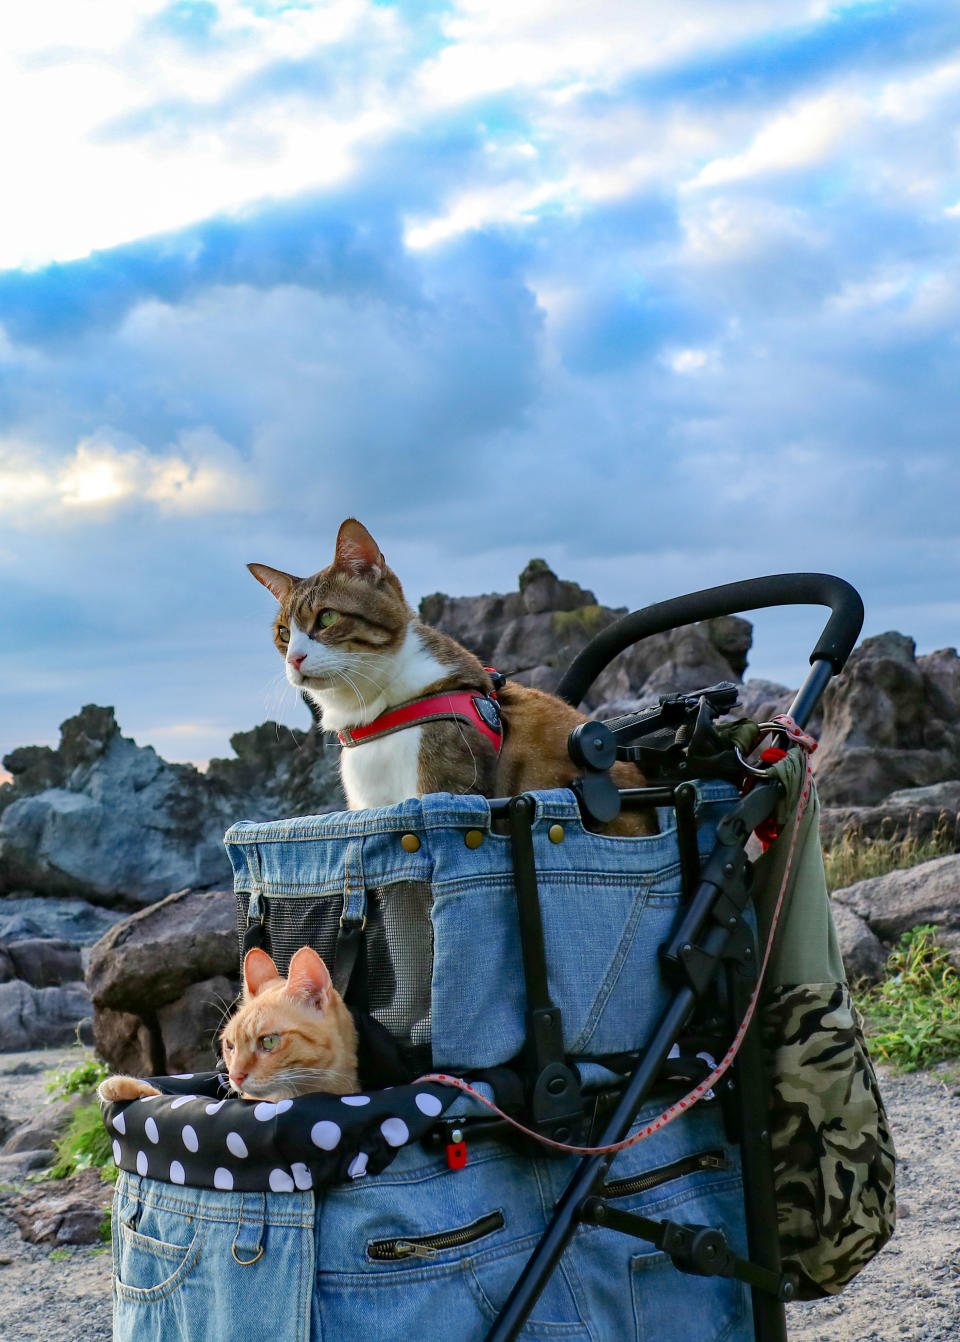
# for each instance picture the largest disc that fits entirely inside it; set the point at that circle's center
(161, 981)
(41, 1133)
(891, 721)
(64, 1211)
(533, 635)
(41, 962)
(900, 900)
(41, 1017)
(104, 819)
(895, 822)
(24, 916)
(153, 956)
(126, 1044)
(864, 954)
(190, 1026)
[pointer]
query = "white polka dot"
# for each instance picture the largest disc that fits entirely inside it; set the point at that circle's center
(265, 1110)
(281, 1182)
(356, 1100)
(150, 1128)
(236, 1145)
(119, 1122)
(222, 1178)
(358, 1166)
(301, 1175)
(183, 1076)
(145, 1099)
(178, 1174)
(212, 1108)
(395, 1131)
(325, 1134)
(141, 1162)
(284, 1105)
(428, 1104)
(116, 1152)
(182, 1099)
(189, 1136)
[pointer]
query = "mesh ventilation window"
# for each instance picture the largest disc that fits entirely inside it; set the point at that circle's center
(398, 941)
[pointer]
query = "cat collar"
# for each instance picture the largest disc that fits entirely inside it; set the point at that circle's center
(479, 710)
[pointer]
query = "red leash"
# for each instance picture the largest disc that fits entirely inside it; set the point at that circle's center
(809, 745)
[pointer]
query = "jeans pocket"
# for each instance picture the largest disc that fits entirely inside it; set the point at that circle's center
(150, 1269)
(495, 1273)
(672, 1307)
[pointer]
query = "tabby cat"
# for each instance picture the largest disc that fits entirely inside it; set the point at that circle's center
(288, 1037)
(351, 642)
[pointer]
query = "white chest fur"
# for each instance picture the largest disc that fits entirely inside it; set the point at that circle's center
(381, 772)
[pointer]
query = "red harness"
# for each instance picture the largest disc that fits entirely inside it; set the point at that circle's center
(471, 706)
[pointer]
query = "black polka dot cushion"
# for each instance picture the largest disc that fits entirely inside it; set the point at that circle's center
(193, 1133)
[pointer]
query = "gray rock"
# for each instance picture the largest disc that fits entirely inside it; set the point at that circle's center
(14, 1168)
(191, 1025)
(23, 917)
(126, 1044)
(40, 1017)
(44, 962)
(890, 722)
(63, 1211)
(533, 635)
(890, 822)
(864, 955)
(944, 796)
(900, 900)
(41, 1133)
(121, 825)
(153, 956)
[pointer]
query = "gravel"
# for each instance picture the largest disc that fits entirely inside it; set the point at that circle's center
(909, 1293)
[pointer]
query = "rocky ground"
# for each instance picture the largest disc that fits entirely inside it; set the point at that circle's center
(910, 1292)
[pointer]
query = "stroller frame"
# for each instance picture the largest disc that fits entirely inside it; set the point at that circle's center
(713, 935)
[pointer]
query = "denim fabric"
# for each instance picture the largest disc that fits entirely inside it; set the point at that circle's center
(607, 904)
(317, 1281)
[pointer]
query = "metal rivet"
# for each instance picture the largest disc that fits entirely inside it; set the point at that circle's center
(473, 838)
(410, 843)
(555, 834)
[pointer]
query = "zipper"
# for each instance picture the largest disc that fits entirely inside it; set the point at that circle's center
(428, 1246)
(641, 1183)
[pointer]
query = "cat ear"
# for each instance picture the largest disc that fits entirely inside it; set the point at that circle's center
(309, 977)
(258, 969)
(278, 583)
(357, 552)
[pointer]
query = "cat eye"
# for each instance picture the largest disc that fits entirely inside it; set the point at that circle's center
(268, 1042)
(329, 617)
(283, 633)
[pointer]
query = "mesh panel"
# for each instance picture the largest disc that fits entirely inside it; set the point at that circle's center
(398, 942)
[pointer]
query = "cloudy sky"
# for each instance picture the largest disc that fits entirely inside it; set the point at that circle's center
(666, 294)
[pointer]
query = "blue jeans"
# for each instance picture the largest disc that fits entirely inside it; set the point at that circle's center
(197, 1265)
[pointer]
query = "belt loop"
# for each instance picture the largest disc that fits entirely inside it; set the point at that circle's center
(353, 919)
(247, 1247)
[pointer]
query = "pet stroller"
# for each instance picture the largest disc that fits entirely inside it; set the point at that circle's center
(608, 1141)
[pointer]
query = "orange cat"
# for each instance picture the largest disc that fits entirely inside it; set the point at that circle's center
(352, 643)
(289, 1036)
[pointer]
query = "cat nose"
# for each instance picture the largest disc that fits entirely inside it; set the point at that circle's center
(297, 660)
(237, 1079)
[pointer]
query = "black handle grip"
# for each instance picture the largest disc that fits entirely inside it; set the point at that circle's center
(779, 589)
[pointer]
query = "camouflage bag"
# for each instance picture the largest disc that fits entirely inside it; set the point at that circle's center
(833, 1153)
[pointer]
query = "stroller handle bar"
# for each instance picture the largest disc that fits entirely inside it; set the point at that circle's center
(834, 646)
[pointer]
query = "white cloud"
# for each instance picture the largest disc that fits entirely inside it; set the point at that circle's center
(200, 473)
(804, 135)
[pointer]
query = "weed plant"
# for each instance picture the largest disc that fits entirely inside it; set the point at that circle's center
(913, 1016)
(853, 858)
(85, 1142)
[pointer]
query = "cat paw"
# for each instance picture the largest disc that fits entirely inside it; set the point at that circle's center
(124, 1088)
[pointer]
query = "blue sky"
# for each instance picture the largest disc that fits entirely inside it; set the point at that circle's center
(667, 295)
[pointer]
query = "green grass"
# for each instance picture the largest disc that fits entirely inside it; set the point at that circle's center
(913, 1016)
(86, 1142)
(82, 1079)
(854, 858)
